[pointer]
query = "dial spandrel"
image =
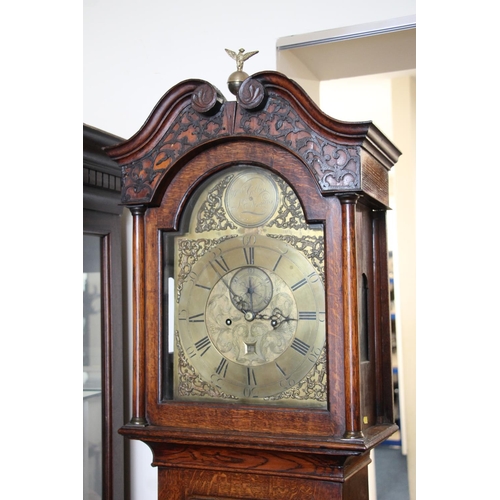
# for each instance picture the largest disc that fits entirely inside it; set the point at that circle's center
(250, 308)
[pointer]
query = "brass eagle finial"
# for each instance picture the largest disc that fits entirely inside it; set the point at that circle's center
(237, 77)
(240, 57)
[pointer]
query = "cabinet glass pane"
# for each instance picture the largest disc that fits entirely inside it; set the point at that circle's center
(92, 390)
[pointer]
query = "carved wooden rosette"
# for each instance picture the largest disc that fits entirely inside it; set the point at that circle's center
(339, 173)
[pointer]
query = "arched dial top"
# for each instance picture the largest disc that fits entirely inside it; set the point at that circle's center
(250, 304)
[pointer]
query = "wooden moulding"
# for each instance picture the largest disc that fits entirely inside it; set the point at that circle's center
(343, 156)
(311, 466)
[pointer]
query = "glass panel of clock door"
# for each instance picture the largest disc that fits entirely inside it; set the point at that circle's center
(92, 387)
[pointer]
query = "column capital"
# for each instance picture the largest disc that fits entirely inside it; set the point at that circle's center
(137, 209)
(348, 198)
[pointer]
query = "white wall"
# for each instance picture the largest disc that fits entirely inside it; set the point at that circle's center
(365, 98)
(134, 51)
(403, 239)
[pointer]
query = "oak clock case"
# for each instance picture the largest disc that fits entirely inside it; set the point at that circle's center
(249, 300)
(261, 326)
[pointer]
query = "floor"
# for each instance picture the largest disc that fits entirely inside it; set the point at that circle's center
(391, 473)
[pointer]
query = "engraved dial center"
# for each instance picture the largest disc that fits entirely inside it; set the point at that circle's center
(254, 319)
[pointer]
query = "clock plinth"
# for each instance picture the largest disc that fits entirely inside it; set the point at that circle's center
(262, 348)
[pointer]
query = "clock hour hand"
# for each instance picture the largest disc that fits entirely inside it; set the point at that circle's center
(242, 306)
(276, 318)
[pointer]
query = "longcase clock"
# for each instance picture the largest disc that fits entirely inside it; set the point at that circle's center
(262, 348)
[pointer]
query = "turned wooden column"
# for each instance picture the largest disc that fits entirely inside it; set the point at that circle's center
(350, 318)
(138, 317)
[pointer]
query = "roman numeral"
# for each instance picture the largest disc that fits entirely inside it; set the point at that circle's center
(251, 377)
(277, 262)
(197, 318)
(307, 315)
(222, 368)
(280, 369)
(298, 284)
(222, 265)
(249, 255)
(203, 286)
(300, 346)
(203, 345)
(313, 277)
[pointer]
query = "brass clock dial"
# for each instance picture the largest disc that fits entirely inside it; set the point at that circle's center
(252, 330)
(250, 309)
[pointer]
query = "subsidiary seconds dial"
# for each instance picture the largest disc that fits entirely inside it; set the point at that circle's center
(251, 290)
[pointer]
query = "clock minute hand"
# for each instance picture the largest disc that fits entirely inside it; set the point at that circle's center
(238, 301)
(235, 296)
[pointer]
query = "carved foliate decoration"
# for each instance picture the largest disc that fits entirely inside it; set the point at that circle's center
(260, 113)
(251, 94)
(206, 99)
(188, 130)
(334, 166)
